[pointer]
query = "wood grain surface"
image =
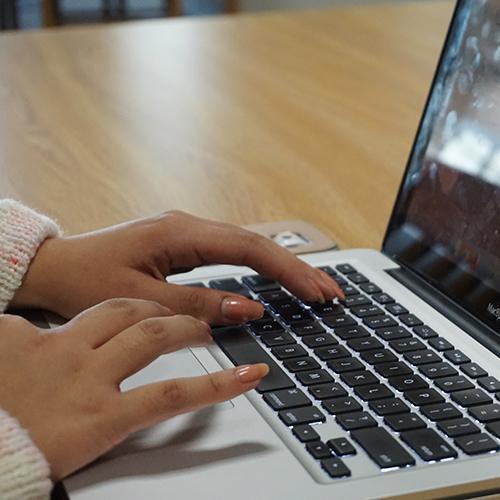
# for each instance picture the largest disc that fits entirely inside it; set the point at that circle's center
(247, 118)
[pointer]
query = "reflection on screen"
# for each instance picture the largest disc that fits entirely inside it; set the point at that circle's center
(447, 221)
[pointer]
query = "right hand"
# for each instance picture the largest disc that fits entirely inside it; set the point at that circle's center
(63, 384)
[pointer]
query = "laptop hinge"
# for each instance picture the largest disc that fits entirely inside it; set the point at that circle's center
(456, 314)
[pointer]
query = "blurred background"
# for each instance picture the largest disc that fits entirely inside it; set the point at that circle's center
(33, 14)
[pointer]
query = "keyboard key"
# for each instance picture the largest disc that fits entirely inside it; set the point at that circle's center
(491, 384)
(304, 415)
(425, 332)
(404, 422)
(428, 444)
(396, 309)
(358, 278)
(486, 413)
(328, 270)
(420, 397)
(408, 382)
(341, 446)
(476, 444)
(356, 300)
(471, 397)
(242, 349)
(346, 268)
(332, 352)
(275, 339)
(273, 296)
(289, 351)
(379, 356)
(302, 329)
(382, 448)
(456, 357)
(458, 427)
(438, 370)
(365, 311)
(292, 317)
(349, 290)
(372, 392)
(418, 358)
(410, 320)
(393, 369)
(198, 284)
(452, 384)
(390, 406)
(370, 288)
(393, 333)
(318, 449)
(353, 379)
(356, 420)
(319, 340)
(230, 285)
(383, 298)
(494, 428)
(364, 344)
(351, 332)
(340, 320)
(473, 370)
(341, 405)
(441, 344)
(314, 377)
(285, 305)
(327, 309)
(335, 468)
(305, 433)
(340, 280)
(300, 365)
(345, 365)
(260, 284)
(406, 345)
(440, 411)
(286, 398)
(266, 326)
(326, 391)
(379, 321)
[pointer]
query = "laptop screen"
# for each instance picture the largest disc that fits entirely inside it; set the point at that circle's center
(446, 221)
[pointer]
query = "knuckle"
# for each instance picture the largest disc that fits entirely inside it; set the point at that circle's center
(125, 306)
(13, 322)
(173, 395)
(196, 300)
(152, 328)
(216, 384)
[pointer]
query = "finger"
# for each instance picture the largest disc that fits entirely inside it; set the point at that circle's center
(139, 345)
(153, 403)
(213, 306)
(100, 323)
(206, 242)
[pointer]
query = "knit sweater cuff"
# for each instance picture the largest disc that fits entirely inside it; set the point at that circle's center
(22, 230)
(24, 471)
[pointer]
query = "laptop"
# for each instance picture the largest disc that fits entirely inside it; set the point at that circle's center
(394, 392)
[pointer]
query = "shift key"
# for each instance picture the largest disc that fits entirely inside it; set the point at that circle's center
(242, 349)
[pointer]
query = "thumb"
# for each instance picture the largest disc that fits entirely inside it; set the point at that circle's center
(213, 306)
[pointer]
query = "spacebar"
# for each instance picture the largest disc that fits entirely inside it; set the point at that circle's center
(241, 348)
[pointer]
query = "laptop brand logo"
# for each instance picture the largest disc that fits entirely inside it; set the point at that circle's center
(494, 311)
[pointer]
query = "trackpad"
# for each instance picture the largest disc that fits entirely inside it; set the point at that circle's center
(189, 362)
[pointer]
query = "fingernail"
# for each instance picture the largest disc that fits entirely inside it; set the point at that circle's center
(241, 309)
(251, 373)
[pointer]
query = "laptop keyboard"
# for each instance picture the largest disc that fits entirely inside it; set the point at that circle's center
(399, 390)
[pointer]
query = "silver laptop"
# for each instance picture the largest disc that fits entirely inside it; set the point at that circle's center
(394, 392)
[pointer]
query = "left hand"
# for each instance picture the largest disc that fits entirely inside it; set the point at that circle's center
(70, 274)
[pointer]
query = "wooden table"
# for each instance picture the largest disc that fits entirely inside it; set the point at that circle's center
(245, 119)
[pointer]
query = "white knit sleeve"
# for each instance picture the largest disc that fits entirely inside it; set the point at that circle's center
(24, 471)
(22, 230)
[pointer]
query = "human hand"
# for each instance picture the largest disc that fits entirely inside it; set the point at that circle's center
(63, 384)
(132, 259)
